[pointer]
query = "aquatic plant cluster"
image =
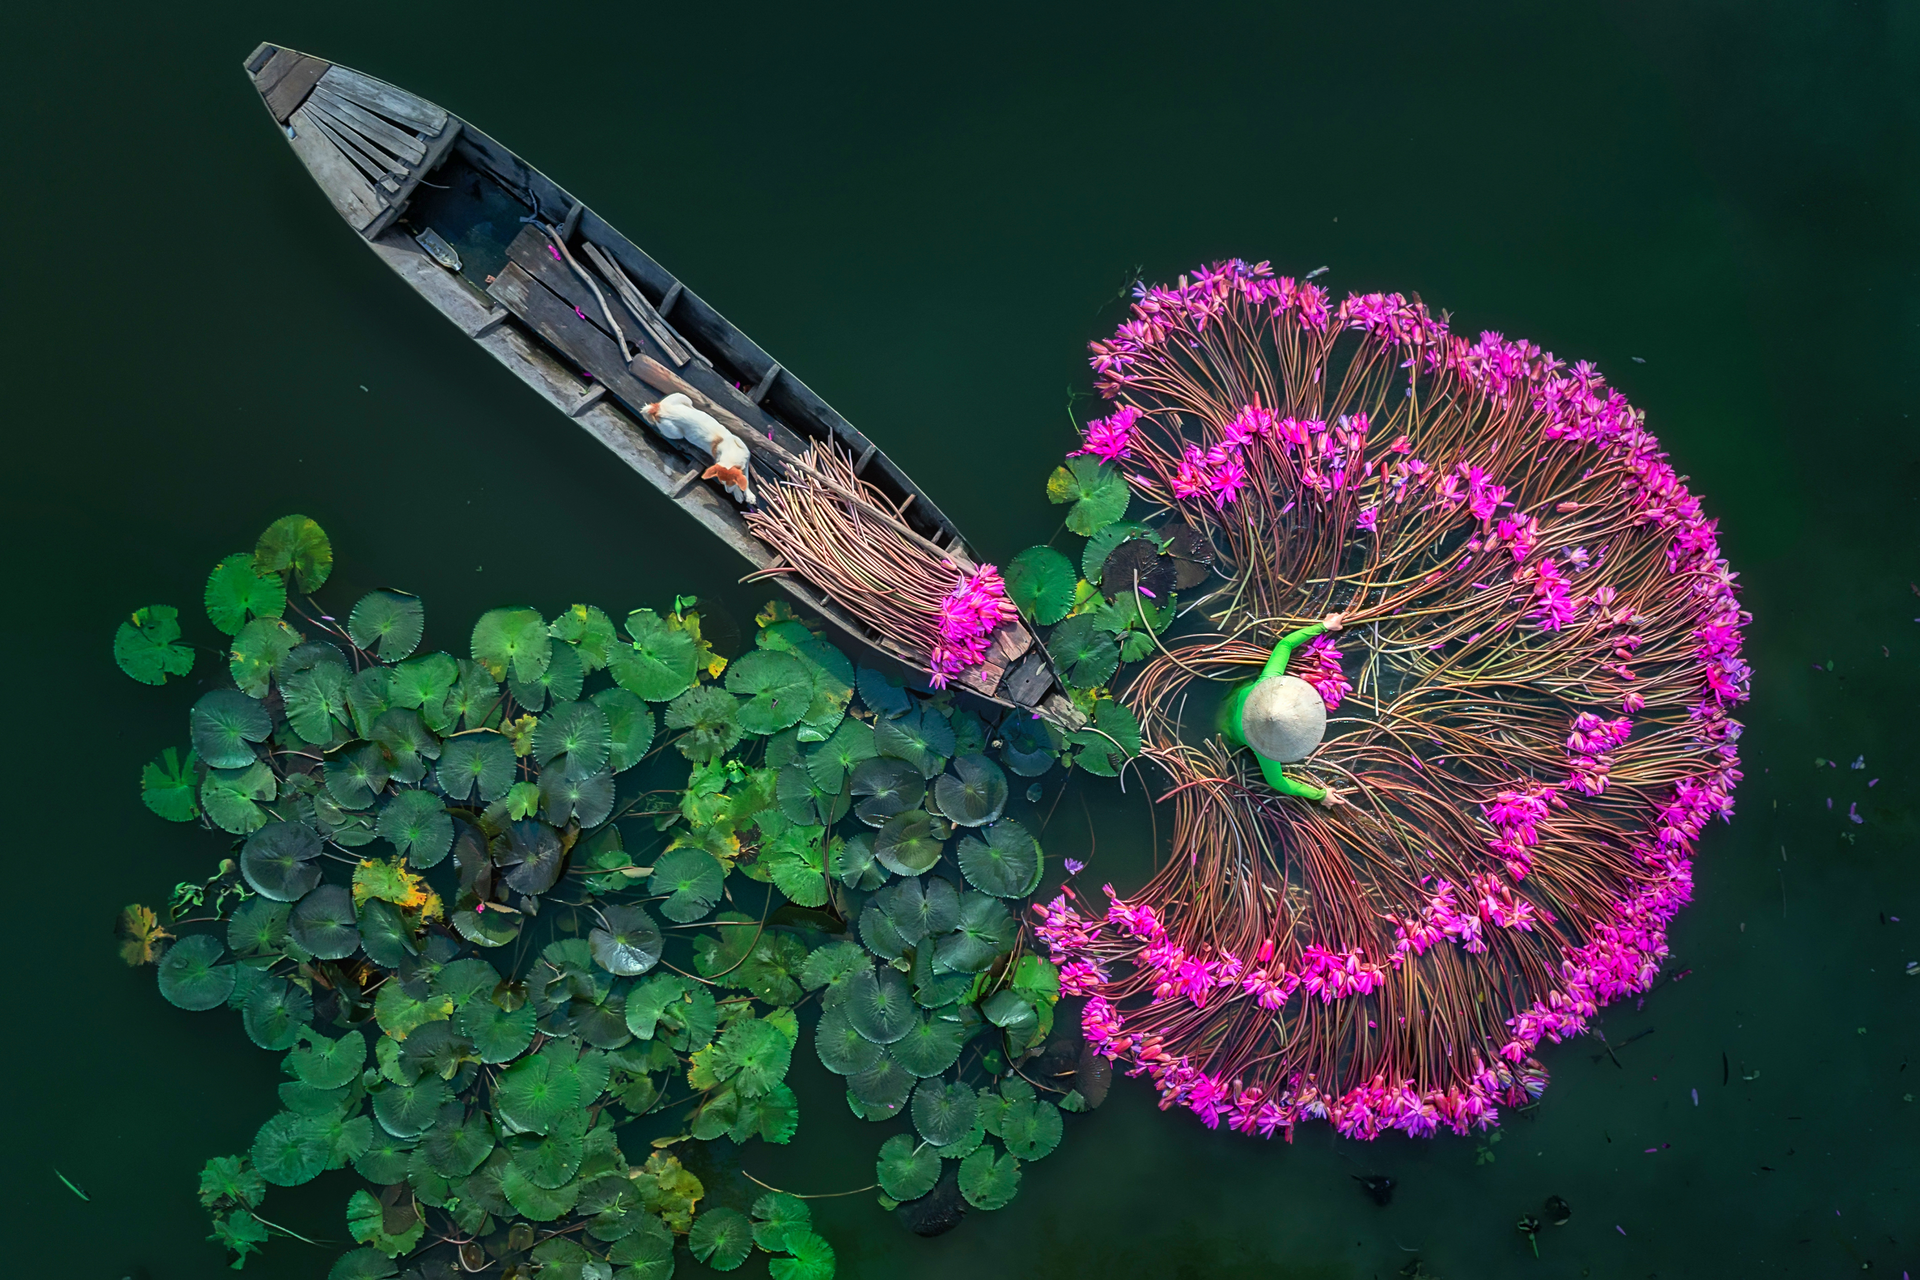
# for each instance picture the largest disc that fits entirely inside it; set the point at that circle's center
(1533, 690)
(932, 606)
(486, 997)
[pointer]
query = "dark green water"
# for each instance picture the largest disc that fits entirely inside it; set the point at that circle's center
(926, 215)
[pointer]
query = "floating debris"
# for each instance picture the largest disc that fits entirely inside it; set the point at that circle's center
(1529, 1226)
(1558, 1211)
(1379, 1187)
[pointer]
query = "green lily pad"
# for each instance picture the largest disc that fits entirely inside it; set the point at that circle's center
(363, 1264)
(561, 681)
(985, 931)
(851, 861)
(841, 1048)
(774, 1215)
(408, 1110)
(583, 798)
(296, 545)
(1040, 582)
(831, 967)
(167, 786)
(473, 702)
(551, 1161)
(1030, 1128)
(974, 794)
(883, 694)
(417, 824)
(459, 1141)
(920, 907)
(476, 762)
(968, 1143)
(512, 640)
(384, 1162)
(291, 1149)
(987, 1182)
(257, 651)
(327, 1062)
(906, 845)
(882, 1089)
(1086, 656)
(879, 1005)
(423, 682)
(931, 1045)
(829, 763)
(275, 1012)
(574, 736)
(692, 881)
(629, 942)
(145, 645)
(1003, 860)
(1109, 742)
(387, 624)
(534, 1202)
(385, 935)
(775, 687)
(408, 744)
(933, 986)
(721, 1238)
(225, 724)
(355, 778)
(810, 1258)
(316, 701)
(796, 867)
(498, 1035)
(629, 727)
(906, 1169)
(660, 664)
(922, 737)
(878, 933)
(259, 926)
(231, 797)
(888, 787)
(190, 975)
(323, 922)
(1026, 746)
(392, 1230)
(369, 696)
(1093, 558)
(710, 719)
(1099, 494)
(235, 592)
(589, 630)
(944, 1111)
(535, 1092)
(533, 853)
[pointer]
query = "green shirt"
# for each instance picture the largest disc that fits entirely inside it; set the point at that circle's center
(1230, 715)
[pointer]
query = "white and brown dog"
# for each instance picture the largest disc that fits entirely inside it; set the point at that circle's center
(676, 418)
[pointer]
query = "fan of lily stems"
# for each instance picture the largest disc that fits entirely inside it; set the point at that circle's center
(1528, 710)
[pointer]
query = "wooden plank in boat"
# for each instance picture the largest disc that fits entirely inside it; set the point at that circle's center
(357, 144)
(291, 89)
(342, 139)
(337, 176)
(377, 95)
(404, 145)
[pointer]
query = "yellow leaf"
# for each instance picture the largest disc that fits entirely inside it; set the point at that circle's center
(141, 937)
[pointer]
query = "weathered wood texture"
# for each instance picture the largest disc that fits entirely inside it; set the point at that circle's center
(286, 79)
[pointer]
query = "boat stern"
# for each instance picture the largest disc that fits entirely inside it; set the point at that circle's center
(366, 143)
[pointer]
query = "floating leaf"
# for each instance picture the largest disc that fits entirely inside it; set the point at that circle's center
(906, 1169)
(882, 1089)
(1040, 583)
(574, 736)
(985, 931)
(535, 1092)
(257, 651)
(408, 1110)
(974, 794)
(230, 797)
(1031, 1128)
(669, 1190)
(275, 1012)
(878, 933)
(561, 681)
(883, 694)
(418, 825)
(329, 1063)
(291, 1149)
(385, 1160)
(388, 624)
(906, 845)
(423, 682)
(774, 1215)
(1109, 741)
(989, 1183)
(776, 689)
(753, 1054)
(225, 724)
(1027, 747)
(629, 943)
(852, 862)
(1003, 860)
(584, 799)
(476, 762)
(721, 1238)
(660, 664)
(498, 1035)
(1093, 557)
(231, 1178)
(589, 630)
(167, 786)
(841, 1048)
(879, 1005)
(710, 718)
(889, 787)
(796, 867)
(144, 645)
(931, 1045)
(944, 1111)
(459, 1141)
(392, 1229)
(191, 978)
(513, 640)
(363, 1264)
(298, 545)
(323, 922)
(629, 727)
(474, 701)
(1137, 576)
(1086, 656)
(531, 1200)
(1098, 493)
(236, 591)
(811, 1258)
(829, 763)
(551, 1161)
(692, 880)
(922, 738)
(142, 940)
(316, 702)
(918, 908)
(355, 778)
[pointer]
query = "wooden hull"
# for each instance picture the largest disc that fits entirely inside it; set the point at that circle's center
(481, 236)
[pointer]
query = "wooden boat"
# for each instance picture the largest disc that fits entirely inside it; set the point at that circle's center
(597, 327)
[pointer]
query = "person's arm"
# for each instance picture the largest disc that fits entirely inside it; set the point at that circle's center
(1283, 652)
(1279, 781)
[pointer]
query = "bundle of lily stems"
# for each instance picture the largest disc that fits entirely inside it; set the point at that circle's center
(1529, 728)
(841, 534)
